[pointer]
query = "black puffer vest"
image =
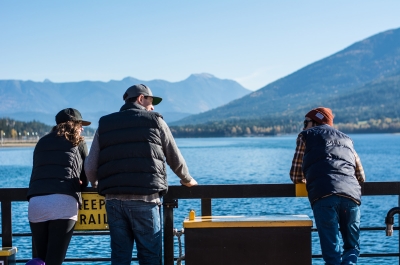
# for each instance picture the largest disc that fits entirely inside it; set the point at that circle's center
(329, 164)
(131, 159)
(57, 166)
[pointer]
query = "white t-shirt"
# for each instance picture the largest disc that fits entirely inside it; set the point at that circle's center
(52, 207)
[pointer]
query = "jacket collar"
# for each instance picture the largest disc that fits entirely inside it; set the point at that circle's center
(131, 105)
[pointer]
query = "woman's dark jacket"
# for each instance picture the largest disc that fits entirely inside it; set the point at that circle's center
(131, 159)
(58, 167)
(329, 164)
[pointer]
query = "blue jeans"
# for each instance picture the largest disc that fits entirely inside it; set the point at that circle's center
(332, 215)
(134, 221)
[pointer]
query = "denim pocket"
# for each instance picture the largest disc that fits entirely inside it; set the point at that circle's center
(145, 219)
(352, 213)
(326, 215)
(114, 213)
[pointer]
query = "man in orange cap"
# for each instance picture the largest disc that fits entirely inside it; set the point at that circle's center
(326, 161)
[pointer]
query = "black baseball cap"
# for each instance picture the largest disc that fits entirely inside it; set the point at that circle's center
(70, 114)
(140, 89)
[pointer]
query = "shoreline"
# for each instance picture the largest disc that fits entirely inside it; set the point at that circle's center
(32, 143)
(18, 144)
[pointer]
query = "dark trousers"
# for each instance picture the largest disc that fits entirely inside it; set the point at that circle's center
(51, 240)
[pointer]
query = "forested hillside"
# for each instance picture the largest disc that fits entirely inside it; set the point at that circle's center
(11, 128)
(371, 108)
(329, 80)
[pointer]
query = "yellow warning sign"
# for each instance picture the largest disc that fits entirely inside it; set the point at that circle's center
(92, 213)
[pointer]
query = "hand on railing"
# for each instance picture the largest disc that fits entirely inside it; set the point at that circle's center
(191, 183)
(94, 184)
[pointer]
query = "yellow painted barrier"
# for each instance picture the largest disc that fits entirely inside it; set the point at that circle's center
(301, 190)
(7, 255)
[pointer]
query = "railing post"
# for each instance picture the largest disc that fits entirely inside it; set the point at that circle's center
(6, 224)
(33, 248)
(168, 220)
(206, 207)
(399, 228)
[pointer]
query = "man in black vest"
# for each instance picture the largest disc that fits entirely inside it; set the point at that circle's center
(326, 161)
(127, 164)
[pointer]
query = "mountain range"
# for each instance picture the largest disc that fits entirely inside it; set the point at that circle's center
(355, 82)
(359, 83)
(40, 101)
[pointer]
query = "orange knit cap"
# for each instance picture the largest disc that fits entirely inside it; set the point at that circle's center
(321, 115)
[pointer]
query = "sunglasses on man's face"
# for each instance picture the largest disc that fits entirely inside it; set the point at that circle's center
(305, 122)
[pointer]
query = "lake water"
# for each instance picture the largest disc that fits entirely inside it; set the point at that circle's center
(237, 161)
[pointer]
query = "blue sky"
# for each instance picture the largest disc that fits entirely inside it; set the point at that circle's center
(253, 42)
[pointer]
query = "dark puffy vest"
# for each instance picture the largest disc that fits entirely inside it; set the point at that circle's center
(329, 164)
(131, 159)
(57, 166)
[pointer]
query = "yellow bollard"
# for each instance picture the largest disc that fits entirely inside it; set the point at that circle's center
(192, 215)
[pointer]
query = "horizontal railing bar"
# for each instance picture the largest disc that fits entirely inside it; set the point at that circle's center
(81, 259)
(229, 191)
(264, 190)
(370, 255)
(365, 255)
(315, 256)
(380, 188)
(377, 228)
(75, 259)
(94, 259)
(94, 233)
(98, 233)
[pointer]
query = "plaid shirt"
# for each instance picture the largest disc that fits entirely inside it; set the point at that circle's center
(296, 171)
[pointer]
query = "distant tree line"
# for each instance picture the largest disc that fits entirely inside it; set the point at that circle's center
(10, 128)
(240, 128)
(384, 125)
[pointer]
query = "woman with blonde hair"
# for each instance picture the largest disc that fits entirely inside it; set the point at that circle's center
(55, 186)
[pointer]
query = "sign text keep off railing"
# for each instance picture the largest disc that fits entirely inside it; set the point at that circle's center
(92, 213)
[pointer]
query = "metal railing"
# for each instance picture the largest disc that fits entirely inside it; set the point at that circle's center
(203, 192)
(208, 192)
